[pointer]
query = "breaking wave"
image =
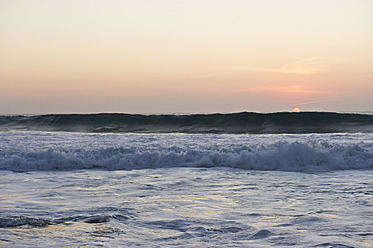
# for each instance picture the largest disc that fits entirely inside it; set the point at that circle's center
(281, 156)
(251, 123)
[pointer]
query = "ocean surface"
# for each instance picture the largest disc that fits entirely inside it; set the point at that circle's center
(233, 180)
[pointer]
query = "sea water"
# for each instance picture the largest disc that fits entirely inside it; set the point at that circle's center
(61, 189)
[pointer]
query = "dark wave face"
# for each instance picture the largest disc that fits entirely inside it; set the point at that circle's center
(250, 123)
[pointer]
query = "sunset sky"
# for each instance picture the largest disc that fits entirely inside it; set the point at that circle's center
(185, 56)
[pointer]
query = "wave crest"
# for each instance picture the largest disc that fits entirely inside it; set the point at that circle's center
(283, 156)
(253, 123)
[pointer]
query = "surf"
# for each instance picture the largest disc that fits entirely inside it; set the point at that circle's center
(61, 151)
(234, 123)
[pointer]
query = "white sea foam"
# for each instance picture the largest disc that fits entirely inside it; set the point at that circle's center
(186, 207)
(82, 189)
(31, 151)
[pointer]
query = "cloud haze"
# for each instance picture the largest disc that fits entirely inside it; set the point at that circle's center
(191, 56)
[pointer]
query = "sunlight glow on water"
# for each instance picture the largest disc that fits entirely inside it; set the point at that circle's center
(189, 207)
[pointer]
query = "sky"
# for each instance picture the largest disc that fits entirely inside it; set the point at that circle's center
(185, 56)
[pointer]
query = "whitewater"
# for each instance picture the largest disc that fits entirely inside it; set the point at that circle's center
(74, 189)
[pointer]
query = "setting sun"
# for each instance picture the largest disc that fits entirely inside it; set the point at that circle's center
(296, 110)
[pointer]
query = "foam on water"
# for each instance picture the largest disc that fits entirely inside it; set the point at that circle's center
(186, 207)
(62, 189)
(32, 151)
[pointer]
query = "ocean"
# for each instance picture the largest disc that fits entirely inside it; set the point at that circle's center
(218, 180)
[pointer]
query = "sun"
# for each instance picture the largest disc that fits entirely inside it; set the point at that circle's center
(296, 110)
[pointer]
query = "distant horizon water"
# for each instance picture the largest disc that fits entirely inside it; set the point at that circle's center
(363, 112)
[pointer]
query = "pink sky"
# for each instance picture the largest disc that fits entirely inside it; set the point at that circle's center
(195, 56)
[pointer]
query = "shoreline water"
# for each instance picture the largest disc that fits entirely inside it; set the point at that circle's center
(76, 189)
(186, 207)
